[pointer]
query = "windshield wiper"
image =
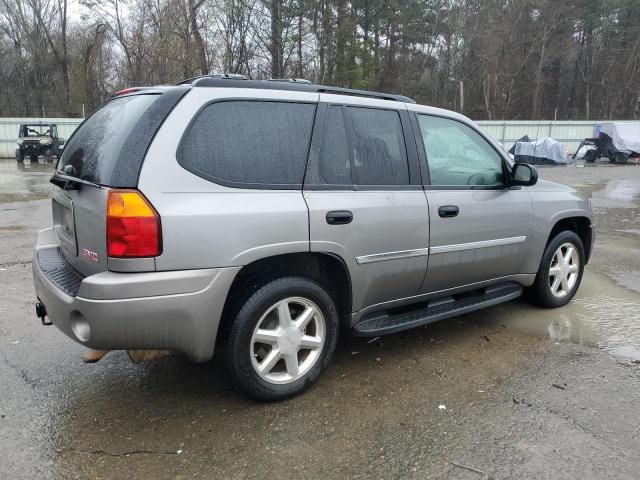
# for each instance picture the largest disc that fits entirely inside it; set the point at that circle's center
(67, 182)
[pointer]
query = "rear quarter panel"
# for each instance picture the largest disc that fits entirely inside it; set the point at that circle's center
(206, 225)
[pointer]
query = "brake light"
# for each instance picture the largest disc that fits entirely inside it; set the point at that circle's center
(126, 90)
(133, 225)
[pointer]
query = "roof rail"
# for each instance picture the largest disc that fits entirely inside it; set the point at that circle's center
(298, 85)
(292, 80)
(222, 76)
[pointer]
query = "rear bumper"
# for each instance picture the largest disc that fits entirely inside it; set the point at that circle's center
(178, 310)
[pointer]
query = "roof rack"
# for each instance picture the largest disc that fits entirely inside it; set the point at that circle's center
(291, 80)
(223, 76)
(291, 84)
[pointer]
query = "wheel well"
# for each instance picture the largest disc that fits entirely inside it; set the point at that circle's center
(581, 226)
(328, 270)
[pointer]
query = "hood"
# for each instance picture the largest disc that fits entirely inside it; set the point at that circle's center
(34, 138)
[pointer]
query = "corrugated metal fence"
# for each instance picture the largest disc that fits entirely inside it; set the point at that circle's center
(571, 133)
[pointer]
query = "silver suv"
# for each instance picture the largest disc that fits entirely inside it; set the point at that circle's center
(259, 218)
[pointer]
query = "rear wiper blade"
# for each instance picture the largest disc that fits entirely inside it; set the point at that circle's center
(67, 182)
(64, 182)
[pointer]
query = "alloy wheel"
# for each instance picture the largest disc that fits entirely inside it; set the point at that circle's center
(288, 340)
(564, 270)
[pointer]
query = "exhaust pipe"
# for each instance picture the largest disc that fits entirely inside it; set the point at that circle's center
(41, 313)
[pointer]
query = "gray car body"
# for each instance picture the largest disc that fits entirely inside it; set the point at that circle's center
(397, 251)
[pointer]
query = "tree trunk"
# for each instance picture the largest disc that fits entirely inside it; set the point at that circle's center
(341, 44)
(537, 89)
(299, 74)
(276, 39)
(197, 37)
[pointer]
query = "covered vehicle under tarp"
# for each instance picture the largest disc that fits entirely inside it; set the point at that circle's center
(512, 150)
(545, 151)
(625, 136)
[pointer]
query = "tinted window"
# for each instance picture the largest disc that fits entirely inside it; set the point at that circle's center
(250, 143)
(379, 152)
(94, 149)
(335, 168)
(457, 155)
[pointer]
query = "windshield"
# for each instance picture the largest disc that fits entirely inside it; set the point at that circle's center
(94, 148)
(35, 130)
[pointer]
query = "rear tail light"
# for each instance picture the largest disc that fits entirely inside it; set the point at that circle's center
(126, 91)
(133, 226)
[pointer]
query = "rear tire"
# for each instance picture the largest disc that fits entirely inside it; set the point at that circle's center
(560, 271)
(282, 338)
(621, 157)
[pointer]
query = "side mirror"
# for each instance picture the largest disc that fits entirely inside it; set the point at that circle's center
(524, 174)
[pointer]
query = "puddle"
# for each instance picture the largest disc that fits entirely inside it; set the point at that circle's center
(602, 314)
(22, 183)
(617, 193)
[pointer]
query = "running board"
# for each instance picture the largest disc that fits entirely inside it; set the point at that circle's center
(435, 310)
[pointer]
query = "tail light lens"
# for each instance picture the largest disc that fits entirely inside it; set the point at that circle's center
(133, 225)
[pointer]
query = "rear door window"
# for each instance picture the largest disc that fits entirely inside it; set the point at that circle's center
(94, 149)
(253, 144)
(335, 167)
(378, 149)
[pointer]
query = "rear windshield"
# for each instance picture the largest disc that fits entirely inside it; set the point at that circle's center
(95, 147)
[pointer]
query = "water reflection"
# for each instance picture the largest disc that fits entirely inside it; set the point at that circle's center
(603, 315)
(620, 192)
(24, 182)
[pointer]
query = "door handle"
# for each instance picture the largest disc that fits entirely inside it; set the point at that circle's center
(339, 217)
(448, 211)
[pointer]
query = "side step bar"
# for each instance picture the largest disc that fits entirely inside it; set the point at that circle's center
(435, 310)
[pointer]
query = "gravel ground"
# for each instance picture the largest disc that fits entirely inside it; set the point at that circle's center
(512, 391)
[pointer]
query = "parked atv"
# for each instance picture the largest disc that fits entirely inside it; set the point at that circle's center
(38, 139)
(617, 141)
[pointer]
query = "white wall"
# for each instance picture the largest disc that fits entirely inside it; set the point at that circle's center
(507, 132)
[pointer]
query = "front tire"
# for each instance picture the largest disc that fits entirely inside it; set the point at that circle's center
(282, 338)
(590, 156)
(560, 271)
(19, 156)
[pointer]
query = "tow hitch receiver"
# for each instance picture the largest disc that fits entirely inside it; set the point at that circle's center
(41, 313)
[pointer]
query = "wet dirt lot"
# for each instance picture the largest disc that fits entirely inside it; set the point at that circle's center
(510, 392)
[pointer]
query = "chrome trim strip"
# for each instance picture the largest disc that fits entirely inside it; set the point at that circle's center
(380, 257)
(498, 242)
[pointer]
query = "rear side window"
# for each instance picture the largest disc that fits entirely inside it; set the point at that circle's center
(335, 167)
(95, 148)
(378, 149)
(250, 143)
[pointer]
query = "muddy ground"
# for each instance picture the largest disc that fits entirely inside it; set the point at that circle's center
(510, 392)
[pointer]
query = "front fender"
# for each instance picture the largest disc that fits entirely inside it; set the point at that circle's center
(549, 208)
